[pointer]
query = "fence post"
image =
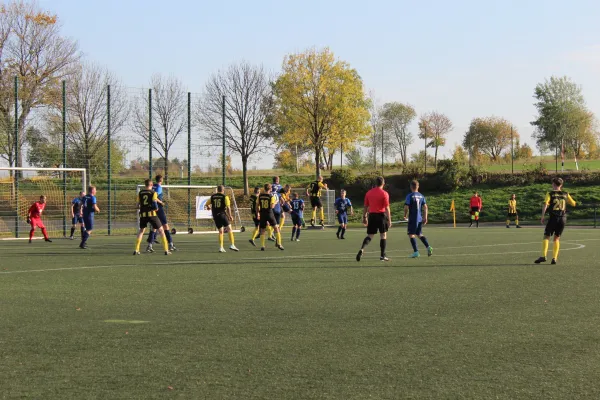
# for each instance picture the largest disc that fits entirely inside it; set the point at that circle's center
(223, 154)
(189, 157)
(108, 155)
(16, 173)
(149, 133)
(595, 208)
(64, 140)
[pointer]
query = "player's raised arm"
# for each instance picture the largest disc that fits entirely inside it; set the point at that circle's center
(570, 200)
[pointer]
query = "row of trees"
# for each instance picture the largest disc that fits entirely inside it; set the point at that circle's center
(315, 106)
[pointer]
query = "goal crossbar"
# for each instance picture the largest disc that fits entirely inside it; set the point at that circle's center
(82, 170)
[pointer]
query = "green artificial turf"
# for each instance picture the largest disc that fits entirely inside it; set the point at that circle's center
(477, 320)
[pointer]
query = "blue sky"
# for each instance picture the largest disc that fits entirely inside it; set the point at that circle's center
(463, 58)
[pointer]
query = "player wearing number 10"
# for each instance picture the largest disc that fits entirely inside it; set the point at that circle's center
(557, 201)
(221, 210)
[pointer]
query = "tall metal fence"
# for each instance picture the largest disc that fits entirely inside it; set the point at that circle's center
(120, 135)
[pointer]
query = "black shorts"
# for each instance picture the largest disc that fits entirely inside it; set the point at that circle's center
(377, 223)
(315, 202)
(512, 215)
(267, 218)
(277, 217)
(474, 210)
(555, 226)
(153, 221)
(256, 221)
(221, 221)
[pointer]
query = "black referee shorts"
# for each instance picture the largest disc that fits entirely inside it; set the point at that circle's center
(377, 223)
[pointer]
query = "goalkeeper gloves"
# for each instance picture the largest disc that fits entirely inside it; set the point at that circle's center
(28, 220)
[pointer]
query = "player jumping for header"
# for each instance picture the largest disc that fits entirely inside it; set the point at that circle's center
(415, 202)
(34, 218)
(266, 202)
(341, 209)
(556, 201)
(314, 192)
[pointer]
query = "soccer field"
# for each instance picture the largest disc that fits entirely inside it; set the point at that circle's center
(476, 320)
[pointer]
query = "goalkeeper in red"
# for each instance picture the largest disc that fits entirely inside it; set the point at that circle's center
(34, 218)
(555, 201)
(476, 206)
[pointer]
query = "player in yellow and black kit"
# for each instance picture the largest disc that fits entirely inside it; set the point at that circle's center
(314, 192)
(220, 206)
(266, 202)
(148, 207)
(285, 199)
(556, 201)
(512, 211)
(254, 213)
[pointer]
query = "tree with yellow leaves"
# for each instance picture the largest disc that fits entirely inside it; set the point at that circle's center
(320, 102)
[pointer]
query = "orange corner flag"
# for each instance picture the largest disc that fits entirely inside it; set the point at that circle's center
(452, 206)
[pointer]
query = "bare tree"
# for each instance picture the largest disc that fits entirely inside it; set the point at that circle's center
(87, 97)
(169, 109)
(396, 117)
(434, 127)
(32, 49)
(247, 92)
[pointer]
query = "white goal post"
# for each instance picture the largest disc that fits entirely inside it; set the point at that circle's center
(19, 191)
(181, 207)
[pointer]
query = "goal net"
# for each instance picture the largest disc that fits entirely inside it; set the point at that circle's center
(21, 187)
(186, 211)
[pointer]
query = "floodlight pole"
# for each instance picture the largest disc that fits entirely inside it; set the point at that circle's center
(108, 155)
(16, 175)
(64, 139)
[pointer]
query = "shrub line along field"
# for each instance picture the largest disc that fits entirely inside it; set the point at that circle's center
(476, 320)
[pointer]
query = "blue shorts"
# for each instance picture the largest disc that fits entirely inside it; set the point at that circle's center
(415, 228)
(342, 218)
(77, 220)
(161, 215)
(296, 219)
(88, 222)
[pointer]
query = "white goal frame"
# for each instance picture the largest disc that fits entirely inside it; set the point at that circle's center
(237, 220)
(33, 169)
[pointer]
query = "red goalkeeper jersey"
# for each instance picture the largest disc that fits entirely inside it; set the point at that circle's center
(35, 211)
(476, 202)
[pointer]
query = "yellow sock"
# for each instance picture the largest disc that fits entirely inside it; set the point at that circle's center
(270, 230)
(279, 238)
(165, 243)
(255, 234)
(545, 247)
(231, 238)
(507, 222)
(322, 215)
(555, 249)
(517, 222)
(221, 239)
(263, 238)
(137, 244)
(314, 214)
(282, 221)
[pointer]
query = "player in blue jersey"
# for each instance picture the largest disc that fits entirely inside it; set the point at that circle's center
(297, 216)
(90, 208)
(342, 204)
(415, 210)
(77, 218)
(162, 216)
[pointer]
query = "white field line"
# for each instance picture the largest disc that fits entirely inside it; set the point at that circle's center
(168, 263)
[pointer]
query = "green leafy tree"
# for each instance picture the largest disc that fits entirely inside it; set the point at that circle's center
(490, 136)
(320, 101)
(396, 117)
(434, 127)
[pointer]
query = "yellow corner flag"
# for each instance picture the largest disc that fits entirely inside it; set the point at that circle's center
(453, 209)
(452, 205)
